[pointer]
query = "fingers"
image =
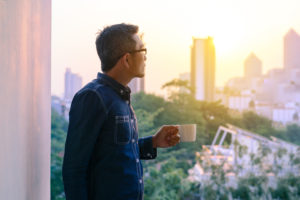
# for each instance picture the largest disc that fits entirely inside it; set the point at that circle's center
(171, 129)
(168, 136)
(172, 137)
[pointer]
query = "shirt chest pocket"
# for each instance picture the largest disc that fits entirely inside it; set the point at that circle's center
(122, 133)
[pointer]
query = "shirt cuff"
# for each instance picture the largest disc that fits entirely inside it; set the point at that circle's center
(147, 152)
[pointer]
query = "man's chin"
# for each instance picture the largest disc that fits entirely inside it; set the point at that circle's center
(140, 75)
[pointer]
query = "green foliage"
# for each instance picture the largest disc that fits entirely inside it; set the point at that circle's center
(168, 183)
(293, 133)
(181, 108)
(166, 176)
(177, 83)
(147, 102)
(58, 136)
(263, 126)
(287, 188)
(242, 192)
(255, 123)
(211, 192)
(252, 121)
(146, 120)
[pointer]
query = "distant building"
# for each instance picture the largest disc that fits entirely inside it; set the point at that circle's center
(56, 104)
(73, 83)
(60, 107)
(137, 85)
(270, 92)
(240, 102)
(264, 108)
(291, 49)
(252, 78)
(203, 64)
(236, 100)
(252, 66)
(287, 113)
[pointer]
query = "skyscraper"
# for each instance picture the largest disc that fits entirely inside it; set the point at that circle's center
(25, 117)
(252, 66)
(73, 83)
(203, 61)
(292, 50)
(137, 85)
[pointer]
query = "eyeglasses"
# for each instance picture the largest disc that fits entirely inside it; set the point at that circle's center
(135, 51)
(140, 50)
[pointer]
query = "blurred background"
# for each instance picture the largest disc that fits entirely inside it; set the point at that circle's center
(232, 67)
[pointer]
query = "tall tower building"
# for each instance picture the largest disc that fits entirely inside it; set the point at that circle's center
(203, 66)
(291, 50)
(73, 83)
(137, 85)
(252, 66)
(25, 99)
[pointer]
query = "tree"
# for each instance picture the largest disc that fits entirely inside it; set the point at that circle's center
(167, 183)
(58, 136)
(293, 133)
(166, 176)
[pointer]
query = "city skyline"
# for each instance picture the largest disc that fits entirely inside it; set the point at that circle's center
(73, 83)
(291, 49)
(234, 27)
(203, 64)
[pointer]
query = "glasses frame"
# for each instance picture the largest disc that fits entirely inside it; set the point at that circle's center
(135, 51)
(140, 50)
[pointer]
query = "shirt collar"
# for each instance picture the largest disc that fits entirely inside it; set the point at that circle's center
(121, 90)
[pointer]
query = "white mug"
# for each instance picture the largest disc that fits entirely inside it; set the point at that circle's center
(187, 132)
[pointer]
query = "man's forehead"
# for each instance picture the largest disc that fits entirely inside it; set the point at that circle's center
(139, 40)
(141, 35)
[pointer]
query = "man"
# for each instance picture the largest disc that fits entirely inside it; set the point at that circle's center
(102, 150)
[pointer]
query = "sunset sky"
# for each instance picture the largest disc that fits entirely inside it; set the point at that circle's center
(238, 27)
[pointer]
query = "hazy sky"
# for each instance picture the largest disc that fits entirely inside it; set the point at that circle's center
(238, 27)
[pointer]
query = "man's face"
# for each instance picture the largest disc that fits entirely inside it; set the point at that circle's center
(137, 61)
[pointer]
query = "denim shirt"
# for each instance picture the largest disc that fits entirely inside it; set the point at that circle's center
(102, 150)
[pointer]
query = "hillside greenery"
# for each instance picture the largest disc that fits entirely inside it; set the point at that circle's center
(166, 176)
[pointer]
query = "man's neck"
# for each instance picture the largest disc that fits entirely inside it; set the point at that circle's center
(119, 77)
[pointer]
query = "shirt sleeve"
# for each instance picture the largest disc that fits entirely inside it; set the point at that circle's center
(86, 118)
(147, 152)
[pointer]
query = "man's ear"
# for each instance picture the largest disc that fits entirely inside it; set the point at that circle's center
(126, 60)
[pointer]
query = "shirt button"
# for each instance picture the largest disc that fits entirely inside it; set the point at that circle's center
(133, 140)
(121, 91)
(141, 180)
(127, 102)
(137, 160)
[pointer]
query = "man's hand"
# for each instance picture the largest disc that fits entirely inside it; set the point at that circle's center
(167, 136)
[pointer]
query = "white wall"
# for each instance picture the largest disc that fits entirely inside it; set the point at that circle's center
(25, 116)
